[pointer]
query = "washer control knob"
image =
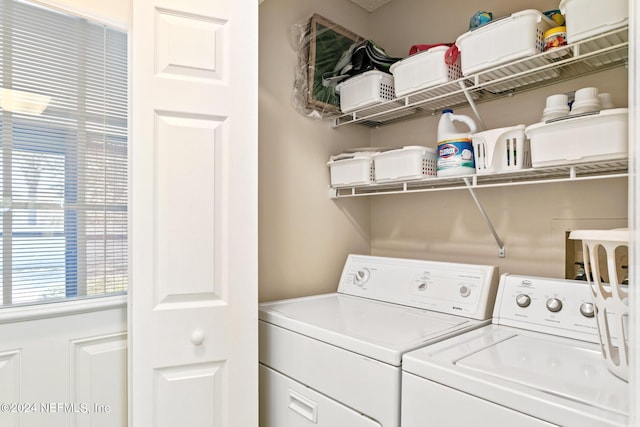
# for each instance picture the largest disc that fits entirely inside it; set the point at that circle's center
(523, 300)
(422, 286)
(587, 309)
(465, 291)
(554, 305)
(361, 276)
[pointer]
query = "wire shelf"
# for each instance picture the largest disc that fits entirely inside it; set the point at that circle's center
(564, 173)
(596, 54)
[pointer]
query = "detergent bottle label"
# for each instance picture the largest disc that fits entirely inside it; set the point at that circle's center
(455, 154)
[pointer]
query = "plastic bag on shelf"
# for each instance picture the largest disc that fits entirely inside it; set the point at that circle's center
(327, 55)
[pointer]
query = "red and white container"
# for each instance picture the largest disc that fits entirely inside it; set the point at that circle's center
(424, 69)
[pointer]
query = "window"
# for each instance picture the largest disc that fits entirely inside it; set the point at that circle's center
(63, 161)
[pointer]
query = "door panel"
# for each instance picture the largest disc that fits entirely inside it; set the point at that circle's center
(193, 298)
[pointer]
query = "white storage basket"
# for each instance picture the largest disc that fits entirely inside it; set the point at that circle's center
(588, 18)
(424, 69)
(611, 299)
(407, 163)
(501, 150)
(601, 136)
(365, 90)
(351, 169)
(503, 40)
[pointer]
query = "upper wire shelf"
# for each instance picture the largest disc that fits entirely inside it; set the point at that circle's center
(595, 54)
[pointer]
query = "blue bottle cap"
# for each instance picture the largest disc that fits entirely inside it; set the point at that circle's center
(447, 111)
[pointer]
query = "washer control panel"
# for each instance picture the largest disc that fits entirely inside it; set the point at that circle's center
(464, 289)
(556, 306)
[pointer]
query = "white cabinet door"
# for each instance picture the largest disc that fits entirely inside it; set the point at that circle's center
(193, 237)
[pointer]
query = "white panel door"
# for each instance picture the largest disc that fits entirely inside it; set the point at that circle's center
(193, 295)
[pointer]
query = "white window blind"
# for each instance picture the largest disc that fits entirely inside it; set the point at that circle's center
(63, 163)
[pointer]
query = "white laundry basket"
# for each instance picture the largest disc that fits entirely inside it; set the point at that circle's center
(424, 69)
(501, 150)
(611, 299)
(351, 168)
(364, 90)
(407, 163)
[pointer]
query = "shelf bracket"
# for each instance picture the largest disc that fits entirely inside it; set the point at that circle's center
(501, 249)
(472, 104)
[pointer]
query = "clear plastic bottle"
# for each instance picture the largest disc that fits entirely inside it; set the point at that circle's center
(455, 150)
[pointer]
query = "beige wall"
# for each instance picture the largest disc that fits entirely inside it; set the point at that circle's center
(531, 219)
(304, 236)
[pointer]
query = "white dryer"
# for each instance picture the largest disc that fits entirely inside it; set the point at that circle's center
(537, 364)
(334, 360)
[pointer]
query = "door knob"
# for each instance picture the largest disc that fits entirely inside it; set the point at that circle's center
(197, 337)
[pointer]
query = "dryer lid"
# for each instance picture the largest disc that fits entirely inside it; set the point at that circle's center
(379, 330)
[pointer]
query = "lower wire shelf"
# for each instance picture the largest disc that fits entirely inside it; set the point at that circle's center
(564, 173)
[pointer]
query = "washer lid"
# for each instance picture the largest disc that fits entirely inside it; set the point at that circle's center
(379, 330)
(556, 379)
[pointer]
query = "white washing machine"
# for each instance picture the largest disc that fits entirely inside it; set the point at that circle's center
(537, 364)
(334, 360)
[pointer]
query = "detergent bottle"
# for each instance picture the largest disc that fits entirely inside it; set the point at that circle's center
(455, 150)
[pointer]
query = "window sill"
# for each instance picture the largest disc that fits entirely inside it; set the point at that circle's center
(63, 308)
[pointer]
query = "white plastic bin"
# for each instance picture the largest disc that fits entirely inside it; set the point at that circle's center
(424, 69)
(404, 164)
(501, 150)
(601, 136)
(588, 18)
(351, 169)
(365, 90)
(503, 40)
(611, 299)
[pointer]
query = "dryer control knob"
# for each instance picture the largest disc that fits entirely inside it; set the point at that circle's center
(587, 309)
(465, 291)
(361, 276)
(523, 300)
(554, 305)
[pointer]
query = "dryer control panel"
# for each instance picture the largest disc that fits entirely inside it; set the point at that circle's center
(467, 290)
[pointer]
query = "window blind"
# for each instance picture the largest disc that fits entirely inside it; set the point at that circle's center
(63, 142)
